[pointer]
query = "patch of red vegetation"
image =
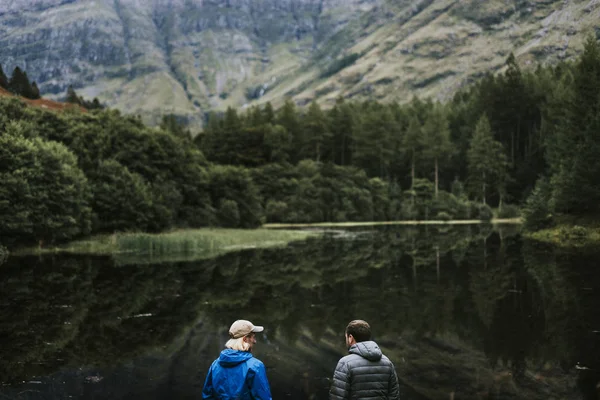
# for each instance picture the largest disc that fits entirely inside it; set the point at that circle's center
(42, 103)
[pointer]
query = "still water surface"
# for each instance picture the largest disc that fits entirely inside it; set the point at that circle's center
(464, 313)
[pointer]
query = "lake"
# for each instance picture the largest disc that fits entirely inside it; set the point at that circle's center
(466, 312)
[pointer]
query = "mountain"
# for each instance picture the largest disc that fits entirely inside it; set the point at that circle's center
(187, 57)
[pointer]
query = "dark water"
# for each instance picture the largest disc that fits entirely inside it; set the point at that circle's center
(465, 312)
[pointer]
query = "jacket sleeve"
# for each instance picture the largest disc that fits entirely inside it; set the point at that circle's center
(207, 390)
(259, 385)
(340, 387)
(393, 390)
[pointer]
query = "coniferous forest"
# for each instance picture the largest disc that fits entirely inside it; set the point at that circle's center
(527, 139)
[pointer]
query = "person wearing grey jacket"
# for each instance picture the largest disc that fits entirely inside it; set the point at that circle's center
(365, 373)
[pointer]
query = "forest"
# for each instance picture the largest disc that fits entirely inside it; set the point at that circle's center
(516, 140)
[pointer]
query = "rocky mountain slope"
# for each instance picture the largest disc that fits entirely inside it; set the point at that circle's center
(187, 57)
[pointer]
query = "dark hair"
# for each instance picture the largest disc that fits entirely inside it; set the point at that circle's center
(359, 329)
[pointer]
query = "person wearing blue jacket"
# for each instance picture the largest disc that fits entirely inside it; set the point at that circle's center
(236, 374)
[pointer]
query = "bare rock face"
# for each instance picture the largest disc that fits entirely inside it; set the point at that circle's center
(158, 56)
(186, 57)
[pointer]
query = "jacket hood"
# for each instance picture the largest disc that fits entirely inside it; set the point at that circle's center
(230, 358)
(369, 350)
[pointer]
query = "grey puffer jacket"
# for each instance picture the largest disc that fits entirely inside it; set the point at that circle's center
(364, 374)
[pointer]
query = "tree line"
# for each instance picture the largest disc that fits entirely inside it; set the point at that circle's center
(76, 173)
(19, 84)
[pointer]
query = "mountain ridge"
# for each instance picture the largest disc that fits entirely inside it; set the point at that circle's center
(190, 57)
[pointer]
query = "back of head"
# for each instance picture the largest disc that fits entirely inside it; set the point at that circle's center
(359, 329)
(238, 331)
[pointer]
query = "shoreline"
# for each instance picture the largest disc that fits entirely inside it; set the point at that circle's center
(193, 243)
(499, 221)
(208, 242)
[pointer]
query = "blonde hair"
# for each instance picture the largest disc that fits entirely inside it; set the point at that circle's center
(238, 344)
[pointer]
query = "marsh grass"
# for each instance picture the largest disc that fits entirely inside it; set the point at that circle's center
(180, 245)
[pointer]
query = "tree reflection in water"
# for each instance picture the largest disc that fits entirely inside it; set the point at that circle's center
(468, 311)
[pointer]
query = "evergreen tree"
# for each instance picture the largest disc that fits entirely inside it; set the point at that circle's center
(412, 142)
(35, 91)
(342, 120)
(373, 151)
(316, 133)
(169, 123)
(289, 119)
(436, 138)
(487, 164)
(268, 114)
(72, 96)
(19, 83)
(574, 151)
(3, 79)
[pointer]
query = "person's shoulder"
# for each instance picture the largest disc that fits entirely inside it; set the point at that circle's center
(386, 360)
(255, 363)
(349, 358)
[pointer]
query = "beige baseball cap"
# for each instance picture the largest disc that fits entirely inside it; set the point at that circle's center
(241, 328)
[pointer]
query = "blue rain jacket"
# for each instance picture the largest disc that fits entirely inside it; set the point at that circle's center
(236, 375)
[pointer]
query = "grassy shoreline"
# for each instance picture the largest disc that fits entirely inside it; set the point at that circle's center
(191, 243)
(196, 244)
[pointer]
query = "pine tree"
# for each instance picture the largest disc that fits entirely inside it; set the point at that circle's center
(436, 137)
(487, 164)
(19, 83)
(72, 96)
(3, 79)
(412, 142)
(35, 91)
(288, 118)
(342, 124)
(574, 151)
(316, 132)
(268, 113)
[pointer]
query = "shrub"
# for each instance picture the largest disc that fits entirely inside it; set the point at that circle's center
(537, 211)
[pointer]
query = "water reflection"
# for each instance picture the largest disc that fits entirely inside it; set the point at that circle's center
(465, 312)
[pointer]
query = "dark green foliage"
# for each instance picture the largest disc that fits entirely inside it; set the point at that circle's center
(537, 211)
(139, 178)
(347, 163)
(35, 91)
(171, 124)
(122, 201)
(73, 98)
(3, 79)
(19, 84)
(229, 213)
(44, 195)
(236, 197)
(487, 163)
(483, 212)
(338, 65)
